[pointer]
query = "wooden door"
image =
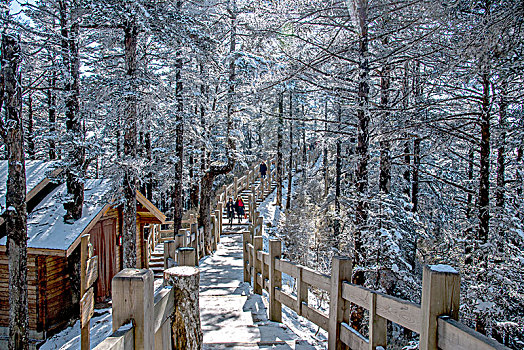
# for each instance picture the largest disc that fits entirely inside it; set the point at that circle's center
(103, 238)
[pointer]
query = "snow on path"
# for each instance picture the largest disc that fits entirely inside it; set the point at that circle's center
(232, 317)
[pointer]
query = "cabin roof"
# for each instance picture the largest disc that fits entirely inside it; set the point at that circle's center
(46, 229)
(37, 173)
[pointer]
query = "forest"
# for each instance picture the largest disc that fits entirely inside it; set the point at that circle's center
(416, 107)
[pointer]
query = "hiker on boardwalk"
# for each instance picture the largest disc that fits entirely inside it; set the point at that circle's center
(239, 206)
(230, 208)
(263, 170)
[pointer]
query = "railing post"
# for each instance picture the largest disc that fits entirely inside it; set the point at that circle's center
(132, 297)
(214, 228)
(341, 270)
(302, 291)
(180, 239)
(186, 326)
(187, 256)
(378, 326)
(258, 245)
(169, 253)
(275, 280)
(440, 296)
(235, 186)
(245, 254)
(218, 215)
(220, 219)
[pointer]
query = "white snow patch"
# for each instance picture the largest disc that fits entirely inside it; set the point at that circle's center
(442, 268)
(69, 338)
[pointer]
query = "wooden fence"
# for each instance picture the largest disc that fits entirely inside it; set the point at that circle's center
(142, 319)
(435, 319)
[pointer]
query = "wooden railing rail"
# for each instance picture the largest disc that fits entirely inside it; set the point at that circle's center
(435, 319)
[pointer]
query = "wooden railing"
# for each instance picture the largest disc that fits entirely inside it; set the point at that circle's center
(142, 319)
(435, 319)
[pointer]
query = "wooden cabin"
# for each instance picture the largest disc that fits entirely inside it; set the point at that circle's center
(53, 255)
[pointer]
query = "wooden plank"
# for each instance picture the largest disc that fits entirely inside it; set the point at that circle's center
(316, 279)
(352, 338)
(287, 267)
(164, 306)
(91, 271)
(356, 294)
(453, 335)
(402, 312)
(87, 305)
(286, 299)
(120, 340)
(317, 317)
(265, 257)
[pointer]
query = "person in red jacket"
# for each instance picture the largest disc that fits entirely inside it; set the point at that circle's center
(239, 206)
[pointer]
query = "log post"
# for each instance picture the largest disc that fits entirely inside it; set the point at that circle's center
(133, 300)
(275, 280)
(340, 271)
(186, 326)
(245, 254)
(235, 186)
(378, 326)
(187, 256)
(169, 253)
(440, 296)
(258, 245)
(302, 291)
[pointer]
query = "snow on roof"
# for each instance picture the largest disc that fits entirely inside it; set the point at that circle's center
(46, 228)
(36, 171)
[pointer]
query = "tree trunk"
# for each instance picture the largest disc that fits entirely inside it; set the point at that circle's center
(51, 112)
(280, 131)
(206, 187)
(290, 170)
(130, 148)
(361, 213)
(501, 159)
(304, 148)
(469, 244)
(338, 178)
(30, 130)
(385, 157)
(179, 135)
(186, 326)
(75, 152)
(149, 155)
(16, 213)
(483, 199)
(325, 153)
(416, 167)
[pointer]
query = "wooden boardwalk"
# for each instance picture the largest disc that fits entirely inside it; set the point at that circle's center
(232, 317)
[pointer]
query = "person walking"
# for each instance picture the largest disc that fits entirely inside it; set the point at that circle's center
(230, 208)
(263, 170)
(240, 209)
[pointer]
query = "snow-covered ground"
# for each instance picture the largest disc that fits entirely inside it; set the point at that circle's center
(69, 338)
